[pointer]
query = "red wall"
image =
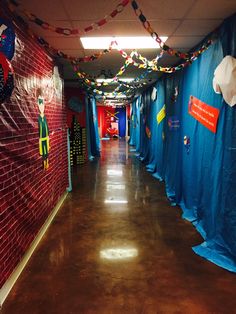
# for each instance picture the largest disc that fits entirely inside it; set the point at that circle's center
(27, 192)
(104, 119)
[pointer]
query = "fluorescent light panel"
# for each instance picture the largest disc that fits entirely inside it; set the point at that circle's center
(134, 42)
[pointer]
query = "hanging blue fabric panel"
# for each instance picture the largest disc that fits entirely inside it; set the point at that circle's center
(132, 140)
(122, 121)
(158, 171)
(145, 127)
(137, 129)
(154, 133)
(94, 140)
(198, 166)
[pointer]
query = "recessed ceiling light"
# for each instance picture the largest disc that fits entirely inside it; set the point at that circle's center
(135, 42)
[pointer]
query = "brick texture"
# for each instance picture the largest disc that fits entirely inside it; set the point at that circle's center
(27, 192)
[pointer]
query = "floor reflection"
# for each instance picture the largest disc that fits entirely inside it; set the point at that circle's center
(119, 253)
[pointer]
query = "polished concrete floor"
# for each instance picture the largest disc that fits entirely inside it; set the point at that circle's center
(117, 246)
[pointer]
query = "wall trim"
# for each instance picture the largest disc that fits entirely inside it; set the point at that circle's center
(6, 288)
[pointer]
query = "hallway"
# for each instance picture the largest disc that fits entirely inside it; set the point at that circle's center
(117, 246)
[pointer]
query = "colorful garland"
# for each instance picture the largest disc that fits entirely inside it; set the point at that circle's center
(68, 31)
(155, 36)
(57, 53)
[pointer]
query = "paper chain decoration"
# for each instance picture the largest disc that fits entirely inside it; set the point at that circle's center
(150, 65)
(68, 31)
(155, 36)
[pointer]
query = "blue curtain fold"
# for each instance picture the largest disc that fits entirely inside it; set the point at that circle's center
(122, 121)
(200, 176)
(92, 128)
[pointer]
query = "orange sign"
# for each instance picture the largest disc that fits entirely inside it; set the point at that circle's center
(205, 114)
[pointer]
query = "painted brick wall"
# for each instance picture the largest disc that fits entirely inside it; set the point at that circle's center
(27, 192)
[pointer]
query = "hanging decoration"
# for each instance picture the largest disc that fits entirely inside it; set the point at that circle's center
(57, 53)
(188, 56)
(6, 78)
(161, 114)
(44, 146)
(175, 96)
(224, 81)
(7, 39)
(205, 114)
(173, 123)
(154, 94)
(13, 4)
(187, 143)
(148, 132)
(75, 104)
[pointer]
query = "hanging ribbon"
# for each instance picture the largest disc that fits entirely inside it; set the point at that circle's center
(68, 31)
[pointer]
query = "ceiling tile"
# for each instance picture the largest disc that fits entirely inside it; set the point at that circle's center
(216, 9)
(47, 10)
(184, 42)
(197, 27)
(126, 28)
(160, 9)
(64, 43)
(89, 10)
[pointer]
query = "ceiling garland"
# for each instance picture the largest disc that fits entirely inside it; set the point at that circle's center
(155, 36)
(144, 63)
(68, 31)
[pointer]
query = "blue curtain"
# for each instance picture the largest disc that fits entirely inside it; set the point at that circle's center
(200, 176)
(122, 121)
(92, 128)
(132, 140)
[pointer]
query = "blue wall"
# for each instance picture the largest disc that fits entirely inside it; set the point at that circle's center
(201, 178)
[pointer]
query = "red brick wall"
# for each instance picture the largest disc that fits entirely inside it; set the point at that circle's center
(27, 192)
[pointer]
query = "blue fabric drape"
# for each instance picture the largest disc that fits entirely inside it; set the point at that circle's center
(200, 177)
(122, 121)
(132, 140)
(92, 128)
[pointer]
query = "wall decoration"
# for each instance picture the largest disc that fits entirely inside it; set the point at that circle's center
(224, 81)
(148, 132)
(57, 83)
(7, 38)
(6, 78)
(77, 143)
(205, 114)
(161, 114)
(173, 123)
(187, 143)
(75, 104)
(175, 96)
(154, 94)
(44, 146)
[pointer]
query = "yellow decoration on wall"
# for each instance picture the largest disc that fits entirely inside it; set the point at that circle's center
(161, 114)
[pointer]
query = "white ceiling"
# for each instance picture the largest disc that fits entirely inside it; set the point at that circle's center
(185, 22)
